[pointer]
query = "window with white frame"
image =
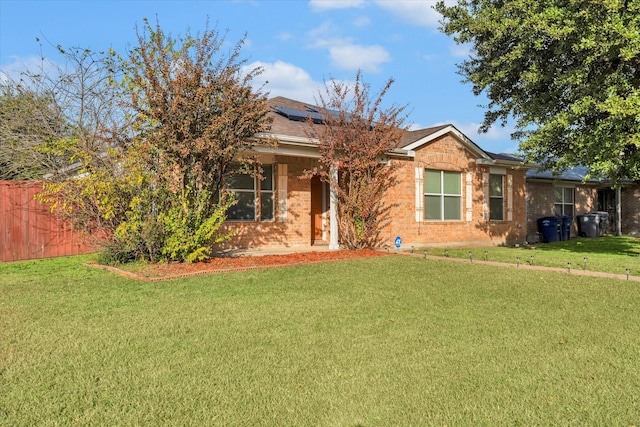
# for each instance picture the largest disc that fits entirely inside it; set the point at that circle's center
(496, 197)
(564, 201)
(442, 195)
(255, 196)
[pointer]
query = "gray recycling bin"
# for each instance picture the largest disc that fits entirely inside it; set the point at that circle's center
(565, 227)
(588, 225)
(603, 222)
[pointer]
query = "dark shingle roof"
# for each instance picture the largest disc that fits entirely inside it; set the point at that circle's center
(505, 156)
(414, 135)
(282, 125)
(576, 174)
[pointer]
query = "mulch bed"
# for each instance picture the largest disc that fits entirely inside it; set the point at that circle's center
(165, 271)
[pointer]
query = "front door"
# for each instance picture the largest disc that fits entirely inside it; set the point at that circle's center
(317, 209)
(607, 203)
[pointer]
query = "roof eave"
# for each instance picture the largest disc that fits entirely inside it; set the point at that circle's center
(507, 163)
(295, 145)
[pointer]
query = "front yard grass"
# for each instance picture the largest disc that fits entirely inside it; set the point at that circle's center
(385, 341)
(609, 254)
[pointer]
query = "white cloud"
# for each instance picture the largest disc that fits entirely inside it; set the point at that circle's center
(30, 64)
(420, 13)
(413, 12)
(322, 5)
(362, 21)
(344, 53)
(354, 57)
(284, 36)
(324, 36)
(288, 80)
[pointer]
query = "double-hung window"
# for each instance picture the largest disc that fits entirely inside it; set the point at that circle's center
(254, 196)
(267, 194)
(496, 197)
(442, 195)
(563, 204)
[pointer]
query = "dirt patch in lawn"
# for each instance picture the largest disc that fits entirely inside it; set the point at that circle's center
(171, 270)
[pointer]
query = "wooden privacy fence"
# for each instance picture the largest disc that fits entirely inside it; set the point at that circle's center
(29, 231)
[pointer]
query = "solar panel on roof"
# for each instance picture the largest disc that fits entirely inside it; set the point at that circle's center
(313, 113)
(292, 114)
(316, 117)
(299, 115)
(334, 113)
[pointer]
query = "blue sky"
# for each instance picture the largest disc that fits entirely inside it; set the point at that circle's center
(299, 43)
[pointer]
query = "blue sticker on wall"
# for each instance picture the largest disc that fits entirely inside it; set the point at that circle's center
(398, 242)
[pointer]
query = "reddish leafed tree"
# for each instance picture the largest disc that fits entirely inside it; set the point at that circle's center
(195, 107)
(356, 136)
(195, 112)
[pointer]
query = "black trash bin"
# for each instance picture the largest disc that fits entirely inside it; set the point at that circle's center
(565, 227)
(549, 227)
(603, 222)
(588, 225)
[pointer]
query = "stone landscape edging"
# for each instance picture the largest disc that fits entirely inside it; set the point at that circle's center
(135, 276)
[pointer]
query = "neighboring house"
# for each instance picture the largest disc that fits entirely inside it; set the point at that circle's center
(451, 192)
(570, 194)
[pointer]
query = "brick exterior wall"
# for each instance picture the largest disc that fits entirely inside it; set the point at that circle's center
(630, 208)
(446, 153)
(541, 201)
(296, 230)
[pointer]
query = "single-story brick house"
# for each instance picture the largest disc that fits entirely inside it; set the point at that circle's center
(451, 191)
(570, 194)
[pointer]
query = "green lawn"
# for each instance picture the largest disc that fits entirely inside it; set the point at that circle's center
(609, 254)
(374, 342)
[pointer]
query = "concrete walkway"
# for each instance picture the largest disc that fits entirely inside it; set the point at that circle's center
(275, 250)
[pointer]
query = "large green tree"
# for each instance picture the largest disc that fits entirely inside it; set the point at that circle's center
(567, 72)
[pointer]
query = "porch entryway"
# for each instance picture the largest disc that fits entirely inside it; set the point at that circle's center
(319, 211)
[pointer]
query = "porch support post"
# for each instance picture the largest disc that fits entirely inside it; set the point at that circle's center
(333, 210)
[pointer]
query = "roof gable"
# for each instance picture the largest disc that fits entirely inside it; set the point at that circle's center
(414, 140)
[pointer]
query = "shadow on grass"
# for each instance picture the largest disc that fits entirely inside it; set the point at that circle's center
(616, 245)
